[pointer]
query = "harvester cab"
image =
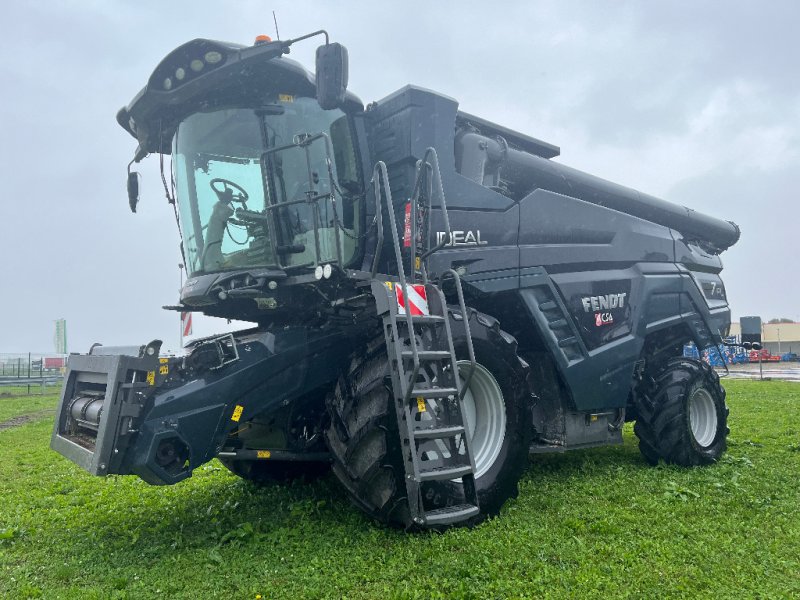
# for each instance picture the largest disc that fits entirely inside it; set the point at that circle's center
(377, 350)
(265, 176)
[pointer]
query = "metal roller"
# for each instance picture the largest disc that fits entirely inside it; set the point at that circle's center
(86, 411)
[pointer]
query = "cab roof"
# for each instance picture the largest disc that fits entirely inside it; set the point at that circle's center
(205, 74)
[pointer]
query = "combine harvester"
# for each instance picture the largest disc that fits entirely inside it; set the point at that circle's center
(433, 298)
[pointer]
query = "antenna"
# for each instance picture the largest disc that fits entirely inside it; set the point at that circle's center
(274, 18)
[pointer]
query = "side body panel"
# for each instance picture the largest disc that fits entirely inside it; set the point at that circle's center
(591, 282)
(598, 282)
(593, 279)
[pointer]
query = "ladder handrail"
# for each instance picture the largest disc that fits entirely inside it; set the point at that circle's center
(311, 198)
(433, 164)
(381, 171)
(470, 349)
(437, 181)
(380, 177)
(377, 173)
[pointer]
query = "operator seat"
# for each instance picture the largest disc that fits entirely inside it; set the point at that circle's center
(212, 252)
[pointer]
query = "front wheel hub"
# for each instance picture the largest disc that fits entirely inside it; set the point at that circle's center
(484, 415)
(702, 417)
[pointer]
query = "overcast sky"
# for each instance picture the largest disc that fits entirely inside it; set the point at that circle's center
(696, 102)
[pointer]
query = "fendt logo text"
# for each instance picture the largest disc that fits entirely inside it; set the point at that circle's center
(607, 302)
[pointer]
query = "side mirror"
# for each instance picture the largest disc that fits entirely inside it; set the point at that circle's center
(756, 346)
(133, 190)
(331, 75)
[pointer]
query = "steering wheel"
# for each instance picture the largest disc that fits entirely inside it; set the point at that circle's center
(225, 188)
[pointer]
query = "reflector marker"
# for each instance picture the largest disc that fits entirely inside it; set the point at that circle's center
(417, 300)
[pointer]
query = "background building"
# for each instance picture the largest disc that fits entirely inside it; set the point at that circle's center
(778, 338)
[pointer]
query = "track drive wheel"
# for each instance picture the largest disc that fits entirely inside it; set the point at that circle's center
(681, 415)
(365, 443)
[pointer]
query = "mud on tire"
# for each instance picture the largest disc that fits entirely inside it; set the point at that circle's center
(365, 443)
(681, 415)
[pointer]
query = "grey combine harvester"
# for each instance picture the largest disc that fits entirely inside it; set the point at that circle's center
(433, 298)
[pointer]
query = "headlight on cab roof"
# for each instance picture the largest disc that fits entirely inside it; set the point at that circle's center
(186, 63)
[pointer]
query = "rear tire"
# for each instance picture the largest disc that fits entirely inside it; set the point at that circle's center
(364, 440)
(681, 415)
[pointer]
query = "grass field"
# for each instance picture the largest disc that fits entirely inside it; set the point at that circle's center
(594, 523)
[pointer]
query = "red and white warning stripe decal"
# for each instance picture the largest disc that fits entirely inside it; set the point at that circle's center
(417, 300)
(186, 323)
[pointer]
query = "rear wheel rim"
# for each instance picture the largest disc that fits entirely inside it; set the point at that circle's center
(484, 415)
(702, 417)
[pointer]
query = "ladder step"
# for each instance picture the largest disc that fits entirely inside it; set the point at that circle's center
(567, 341)
(443, 473)
(427, 354)
(438, 433)
(451, 514)
(558, 324)
(434, 392)
(549, 305)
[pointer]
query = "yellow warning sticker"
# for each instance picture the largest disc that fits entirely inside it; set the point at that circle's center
(285, 97)
(151, 377)
(163, 361)
(163, 370)
(421, 404)
(417, 263)
(389, 285)
(237, 413)
(263, 454)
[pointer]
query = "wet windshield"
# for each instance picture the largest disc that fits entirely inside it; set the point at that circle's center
(252, 184)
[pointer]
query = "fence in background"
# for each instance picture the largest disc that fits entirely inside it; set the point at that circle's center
(31, 371)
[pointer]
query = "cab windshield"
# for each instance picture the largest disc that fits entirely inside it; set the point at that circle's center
(269, 187)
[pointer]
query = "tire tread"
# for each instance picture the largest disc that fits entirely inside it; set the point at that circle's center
(662, 423)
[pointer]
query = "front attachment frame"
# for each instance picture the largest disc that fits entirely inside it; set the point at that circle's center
(96, 443)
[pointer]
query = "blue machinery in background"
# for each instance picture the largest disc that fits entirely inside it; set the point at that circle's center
(718, 356)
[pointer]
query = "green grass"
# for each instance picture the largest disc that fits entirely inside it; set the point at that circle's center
(594, 523)
(19, 404)
(22, 390)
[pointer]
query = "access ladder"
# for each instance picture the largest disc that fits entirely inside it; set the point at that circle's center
(427, 388)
